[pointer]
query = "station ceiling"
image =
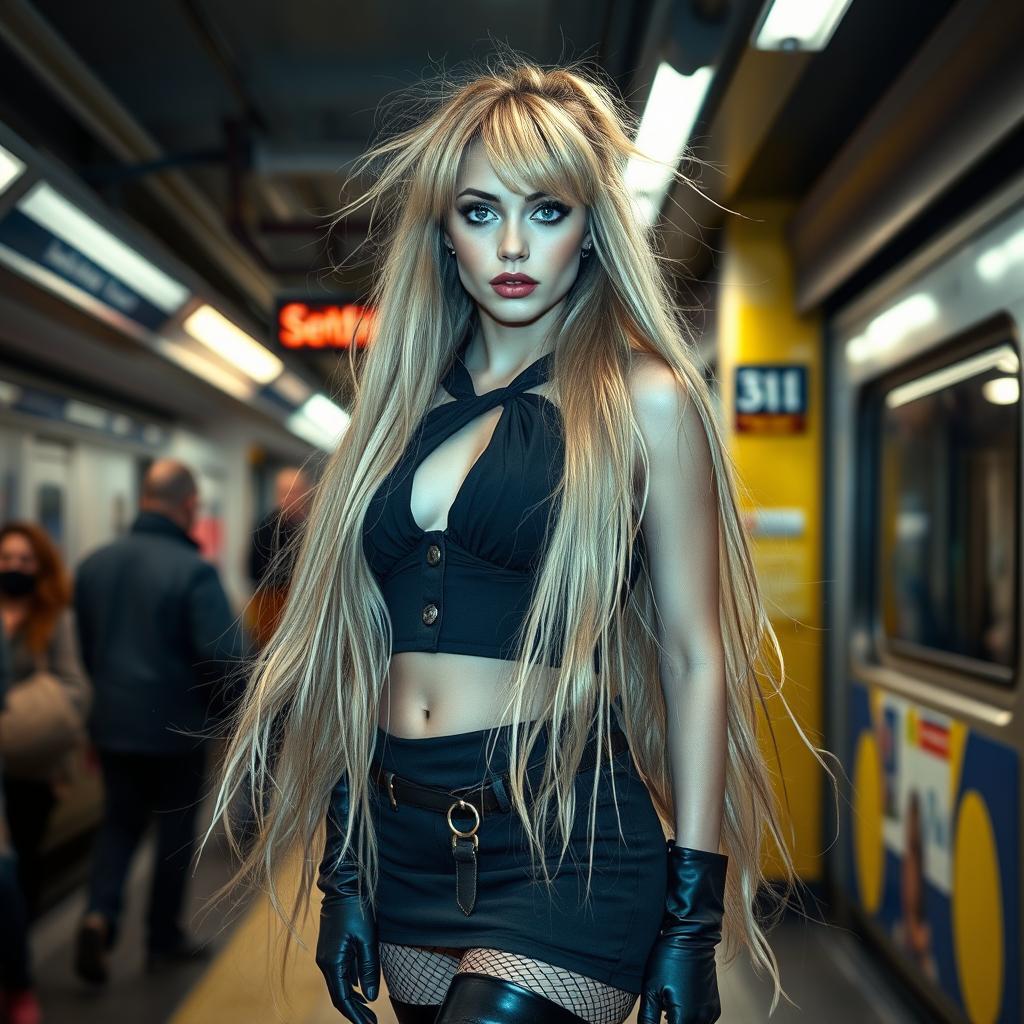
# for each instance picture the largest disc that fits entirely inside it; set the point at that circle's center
(247, 114)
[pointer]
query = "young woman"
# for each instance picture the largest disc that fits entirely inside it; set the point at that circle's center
(524, 633)
(37, 633)
(39, 626)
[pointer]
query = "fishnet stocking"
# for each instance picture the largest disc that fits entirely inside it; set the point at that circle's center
(415, 974)
(420, 975)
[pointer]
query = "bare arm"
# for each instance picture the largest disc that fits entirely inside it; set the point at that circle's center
(680, 527)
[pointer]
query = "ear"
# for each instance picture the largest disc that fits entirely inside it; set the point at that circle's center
(587, 240)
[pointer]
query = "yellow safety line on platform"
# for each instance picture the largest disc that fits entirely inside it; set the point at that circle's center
(243, 985)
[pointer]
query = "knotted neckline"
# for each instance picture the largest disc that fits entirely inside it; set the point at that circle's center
(458, 382)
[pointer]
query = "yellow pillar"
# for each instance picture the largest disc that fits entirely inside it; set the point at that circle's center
(780, 468)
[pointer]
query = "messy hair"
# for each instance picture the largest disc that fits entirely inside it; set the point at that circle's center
(310, 714)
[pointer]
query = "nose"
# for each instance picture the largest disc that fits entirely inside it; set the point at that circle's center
(512, 245)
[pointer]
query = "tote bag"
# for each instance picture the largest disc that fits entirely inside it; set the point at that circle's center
(38, 726)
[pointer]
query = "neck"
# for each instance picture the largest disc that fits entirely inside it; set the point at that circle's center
(501, 350)
(166, 513)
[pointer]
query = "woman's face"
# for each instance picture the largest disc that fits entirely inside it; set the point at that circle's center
(494, 231)
(16, 554)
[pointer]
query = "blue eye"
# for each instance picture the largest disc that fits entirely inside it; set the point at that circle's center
(467, 212)
(560, 208)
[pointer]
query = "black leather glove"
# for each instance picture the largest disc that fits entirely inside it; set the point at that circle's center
(347, 952)
(679, 977)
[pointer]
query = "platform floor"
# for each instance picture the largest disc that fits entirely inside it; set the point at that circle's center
(825, 970)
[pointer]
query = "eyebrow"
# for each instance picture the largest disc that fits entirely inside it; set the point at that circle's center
(494, 199)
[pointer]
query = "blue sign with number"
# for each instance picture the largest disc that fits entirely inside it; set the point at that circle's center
(771, 398)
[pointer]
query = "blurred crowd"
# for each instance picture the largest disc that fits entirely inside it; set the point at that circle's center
(130, 669)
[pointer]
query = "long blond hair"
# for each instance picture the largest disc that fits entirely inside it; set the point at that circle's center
(310, 712)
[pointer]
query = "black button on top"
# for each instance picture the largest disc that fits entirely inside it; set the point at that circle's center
(429, 614)
(433, 554)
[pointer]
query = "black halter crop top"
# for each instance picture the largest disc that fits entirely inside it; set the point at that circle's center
(467, 588)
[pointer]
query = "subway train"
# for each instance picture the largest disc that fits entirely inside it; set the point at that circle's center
(924, 524)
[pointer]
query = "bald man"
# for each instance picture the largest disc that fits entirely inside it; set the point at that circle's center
(164, 650)
(272, 554)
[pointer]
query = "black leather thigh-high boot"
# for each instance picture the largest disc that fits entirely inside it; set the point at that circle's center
(484, 999)
(415, 1013)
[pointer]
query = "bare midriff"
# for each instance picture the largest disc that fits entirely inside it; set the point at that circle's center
(440, 694)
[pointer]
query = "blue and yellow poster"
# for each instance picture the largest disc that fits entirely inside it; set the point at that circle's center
(935, 849)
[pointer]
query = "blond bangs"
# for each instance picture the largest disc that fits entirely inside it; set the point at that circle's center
(533, 146)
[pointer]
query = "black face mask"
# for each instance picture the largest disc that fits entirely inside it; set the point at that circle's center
(15, 583)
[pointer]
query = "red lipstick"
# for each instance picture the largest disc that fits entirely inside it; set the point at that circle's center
(513, 286)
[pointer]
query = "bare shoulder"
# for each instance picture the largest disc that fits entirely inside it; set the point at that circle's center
(659, 398)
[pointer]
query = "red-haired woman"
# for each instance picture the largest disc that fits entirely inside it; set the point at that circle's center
(35, 597)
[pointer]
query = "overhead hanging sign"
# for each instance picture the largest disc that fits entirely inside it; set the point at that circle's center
(318, 324)
(31, 249)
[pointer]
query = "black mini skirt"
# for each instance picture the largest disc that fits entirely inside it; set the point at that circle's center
(607, 937)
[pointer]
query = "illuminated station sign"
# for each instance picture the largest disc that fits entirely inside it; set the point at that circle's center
(306, 324)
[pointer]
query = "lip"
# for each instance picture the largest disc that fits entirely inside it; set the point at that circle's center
(513, 286)
(513, 279)
(515, 290)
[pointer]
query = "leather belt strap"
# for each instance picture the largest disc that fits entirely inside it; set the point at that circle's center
(476, 801)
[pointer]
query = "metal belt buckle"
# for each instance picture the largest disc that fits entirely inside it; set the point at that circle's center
(456, 833)
(464, 855)
(390, 777)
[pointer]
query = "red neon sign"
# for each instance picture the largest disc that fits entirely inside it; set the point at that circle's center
(303, 325)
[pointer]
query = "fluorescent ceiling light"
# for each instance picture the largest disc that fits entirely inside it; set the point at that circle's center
(11, 168)
(52, 211)
(205, 368)
(232, 344)
(672, 107)
(319, 421)
(892, 327)
(798, 24)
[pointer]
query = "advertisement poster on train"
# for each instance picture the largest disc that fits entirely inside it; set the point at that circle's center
(916, 774)
(935, 850)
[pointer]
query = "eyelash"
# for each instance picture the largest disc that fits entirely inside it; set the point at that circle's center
(551, 204)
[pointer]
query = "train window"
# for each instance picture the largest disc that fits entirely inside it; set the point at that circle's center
(949, 479)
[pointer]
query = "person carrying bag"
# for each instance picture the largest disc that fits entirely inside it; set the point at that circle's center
(39, 725)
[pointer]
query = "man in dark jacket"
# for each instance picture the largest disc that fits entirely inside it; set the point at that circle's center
(165, 655)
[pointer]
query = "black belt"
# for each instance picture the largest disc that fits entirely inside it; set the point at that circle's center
(488, 797)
